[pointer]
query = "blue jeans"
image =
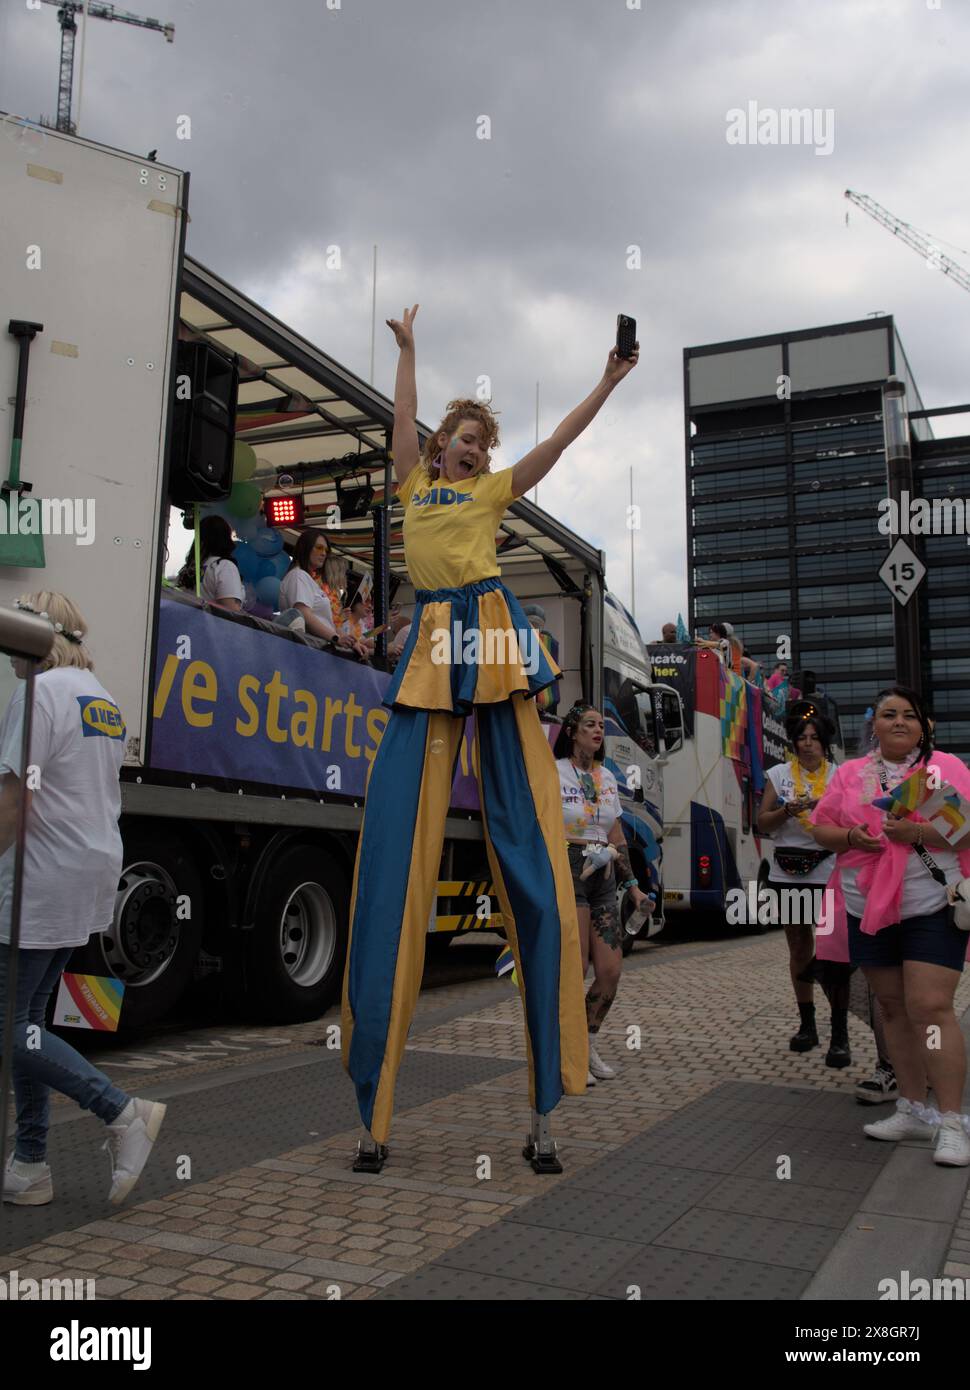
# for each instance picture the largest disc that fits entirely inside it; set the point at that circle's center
(50, 1062)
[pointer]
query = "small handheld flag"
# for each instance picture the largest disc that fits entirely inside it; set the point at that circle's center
(943, 806)
(505, 965)
(89, 1001)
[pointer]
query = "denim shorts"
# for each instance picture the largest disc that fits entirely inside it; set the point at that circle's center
(598, 889)
(931, 938)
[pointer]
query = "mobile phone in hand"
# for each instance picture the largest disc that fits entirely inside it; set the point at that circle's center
(626, 335)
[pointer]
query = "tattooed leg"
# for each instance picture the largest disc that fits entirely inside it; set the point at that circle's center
(598, 1003)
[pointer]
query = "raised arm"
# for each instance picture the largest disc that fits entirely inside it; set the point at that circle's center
(404, 440)
(538, 461)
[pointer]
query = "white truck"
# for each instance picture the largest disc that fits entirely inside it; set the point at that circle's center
(247, 744)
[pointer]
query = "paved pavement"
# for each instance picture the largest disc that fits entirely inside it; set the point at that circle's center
(717, 1165)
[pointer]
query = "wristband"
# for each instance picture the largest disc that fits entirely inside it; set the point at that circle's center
(848, 837)
(630, 883)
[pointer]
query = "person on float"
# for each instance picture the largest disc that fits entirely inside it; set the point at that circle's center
(300, 592)
(221, 582)
(793, 790)
(470, 649)
(890, 880)
(591, 812)
(71, 865)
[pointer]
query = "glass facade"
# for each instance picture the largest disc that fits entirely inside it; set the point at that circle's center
(783, 535)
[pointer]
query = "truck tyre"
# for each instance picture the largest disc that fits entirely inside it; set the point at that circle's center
(296, 949)
(153, 942)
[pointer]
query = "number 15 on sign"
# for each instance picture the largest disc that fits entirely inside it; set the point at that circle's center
(902, 572)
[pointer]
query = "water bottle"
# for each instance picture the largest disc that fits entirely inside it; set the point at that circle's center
(636, 919)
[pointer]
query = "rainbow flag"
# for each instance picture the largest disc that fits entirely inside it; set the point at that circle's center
(943, 807)
(89, 1001)
(734, 709)
(904, 799)
(505, 964)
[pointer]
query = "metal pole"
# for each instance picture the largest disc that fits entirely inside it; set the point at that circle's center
(373, 317)
(535, 492)
(633, 588)
(80, 71)
(899, 473)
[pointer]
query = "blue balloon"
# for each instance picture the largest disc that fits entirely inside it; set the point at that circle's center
(268, 542)
(247, 562)
(282, 563)
(268, 590)
(264, 568)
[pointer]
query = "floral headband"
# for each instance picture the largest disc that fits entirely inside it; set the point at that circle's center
(75, 636)
(576, 713)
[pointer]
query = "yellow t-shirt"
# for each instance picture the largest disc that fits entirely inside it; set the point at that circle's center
(449, 528)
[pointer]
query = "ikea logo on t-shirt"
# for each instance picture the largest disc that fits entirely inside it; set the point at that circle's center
(441, 497)
(99, 716)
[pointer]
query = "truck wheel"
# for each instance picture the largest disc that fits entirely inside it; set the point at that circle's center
(295, 953)
(153, 941)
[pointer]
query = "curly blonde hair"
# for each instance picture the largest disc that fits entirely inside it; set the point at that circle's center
(59, 610)
(458, 410)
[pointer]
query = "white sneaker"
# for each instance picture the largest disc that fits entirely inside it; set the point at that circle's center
(905, 1124)
(952, 1142)
(27, 1184)
(129, 1143)
(598, 1067)
(590, 1079)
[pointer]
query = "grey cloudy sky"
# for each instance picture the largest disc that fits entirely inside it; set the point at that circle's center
(313, 126)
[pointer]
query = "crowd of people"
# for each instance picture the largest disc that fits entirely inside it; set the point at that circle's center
(314, 593)
(551, 820)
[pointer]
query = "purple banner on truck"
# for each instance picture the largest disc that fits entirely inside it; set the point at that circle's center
(235, 702)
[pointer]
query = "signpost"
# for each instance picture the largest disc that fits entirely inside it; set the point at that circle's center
(902, 572)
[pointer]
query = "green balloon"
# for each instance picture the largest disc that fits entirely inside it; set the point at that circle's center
(243, 462)
(244, 500)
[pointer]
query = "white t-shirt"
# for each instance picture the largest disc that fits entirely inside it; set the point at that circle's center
(791, 834)
(220, 580)
(299, 587)
(73, 855)
(921, 892)
(588, 821)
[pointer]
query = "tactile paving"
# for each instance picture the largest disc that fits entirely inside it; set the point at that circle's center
(692, 1208)
(843, 1174)
(560, 1259)
(658, 1273)
(790, 1244)
(605, 1214)
(439, 1283)
(222, 1128)
(782, 1201)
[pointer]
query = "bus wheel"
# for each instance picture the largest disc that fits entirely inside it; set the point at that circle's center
(295, 952)
(153, 941)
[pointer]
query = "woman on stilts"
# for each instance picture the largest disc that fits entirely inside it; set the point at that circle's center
(470, 649)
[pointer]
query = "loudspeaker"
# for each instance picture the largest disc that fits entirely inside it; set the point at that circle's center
(203, 424)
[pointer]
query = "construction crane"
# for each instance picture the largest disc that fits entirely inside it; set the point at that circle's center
(912, 238)
(67, 10)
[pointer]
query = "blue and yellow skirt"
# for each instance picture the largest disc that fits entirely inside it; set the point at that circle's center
(469, 646)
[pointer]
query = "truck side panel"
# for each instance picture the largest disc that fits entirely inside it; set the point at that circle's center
(94, 238)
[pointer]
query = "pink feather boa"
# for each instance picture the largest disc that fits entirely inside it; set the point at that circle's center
(846, 802)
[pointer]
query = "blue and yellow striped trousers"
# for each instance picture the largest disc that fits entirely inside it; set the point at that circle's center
(402, 836)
